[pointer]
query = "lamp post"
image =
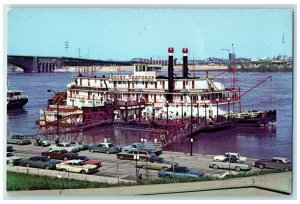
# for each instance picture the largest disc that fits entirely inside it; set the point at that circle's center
(228, 99)
(198, 111)
(126, 110)
(192, 140)
(136, 158)
(139, 111)
(167, 104)
(57, 112)
(205, 114)
(217, 109)
(93, 102)
(153, 113)
(182, 112)
(113, 114)
(191, 97)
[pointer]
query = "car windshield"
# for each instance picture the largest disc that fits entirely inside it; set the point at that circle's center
(161, 160)
(67, 145)
(63, 151)
(81, 163)
(111, 145)
(45, 159)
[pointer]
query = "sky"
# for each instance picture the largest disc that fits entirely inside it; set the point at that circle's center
(126, 33)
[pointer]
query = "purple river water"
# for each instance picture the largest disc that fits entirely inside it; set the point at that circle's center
(253, 142)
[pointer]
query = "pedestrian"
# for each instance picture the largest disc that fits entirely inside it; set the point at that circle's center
(155, 140)
(57, 141)
(142, 139)
(105, 140)
(145, 140)
(140, 173)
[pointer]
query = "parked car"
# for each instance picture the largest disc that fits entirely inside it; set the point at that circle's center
(9, 148)
(12, 159)
(80, 145)
(232, 155)
(88, 160)
(39, 162)
(59, 154)
(133, 154)
(77, 166)
(274, 163)
(179, 171)
(19, 139)
(108, 148)
(234, 164)
(41, 141)
(156, 163)
(155, 147)
(64, 146)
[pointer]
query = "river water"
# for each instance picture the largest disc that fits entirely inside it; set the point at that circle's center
(254, 142)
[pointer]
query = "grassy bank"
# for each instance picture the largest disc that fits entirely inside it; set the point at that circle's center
(21, 181)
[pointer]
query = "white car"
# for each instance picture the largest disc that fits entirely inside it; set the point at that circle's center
(77, 166)
(232, 155)
(64, 146)
(11, 159)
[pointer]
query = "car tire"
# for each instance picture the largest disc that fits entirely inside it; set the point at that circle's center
(49, 156)
(238, 169)
(261, 166)
(27, 165)
(121, 157)
(215, 167)
(165, 167)
(107, 152)
(50, 149)
(18, 143)
(47, 167)
(65, 158)
(83, 172)
(91, 150)
(64, 170)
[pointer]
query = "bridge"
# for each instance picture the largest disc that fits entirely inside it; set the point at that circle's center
(49, 64)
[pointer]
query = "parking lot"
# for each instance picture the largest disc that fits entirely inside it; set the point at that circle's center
(125, 169)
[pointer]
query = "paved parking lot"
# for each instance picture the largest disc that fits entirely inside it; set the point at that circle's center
(125, 169)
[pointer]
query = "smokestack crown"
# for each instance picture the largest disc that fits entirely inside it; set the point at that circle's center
(185, 50)
(171, 50)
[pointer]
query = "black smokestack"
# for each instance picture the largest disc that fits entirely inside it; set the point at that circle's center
(170, 74)
(185, 69)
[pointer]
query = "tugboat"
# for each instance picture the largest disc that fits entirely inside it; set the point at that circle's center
(15, 99)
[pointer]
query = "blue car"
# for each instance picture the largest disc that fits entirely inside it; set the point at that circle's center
(104, 148)
(39, 162)
(178, 171)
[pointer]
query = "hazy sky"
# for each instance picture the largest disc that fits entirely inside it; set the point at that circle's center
(123, 34)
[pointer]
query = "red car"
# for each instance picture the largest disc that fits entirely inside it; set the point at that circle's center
(59, 154)
(88, 160)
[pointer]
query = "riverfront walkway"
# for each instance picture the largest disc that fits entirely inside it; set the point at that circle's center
(275, 185)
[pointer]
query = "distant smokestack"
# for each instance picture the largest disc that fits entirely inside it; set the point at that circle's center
(170, 74)
(185, 69)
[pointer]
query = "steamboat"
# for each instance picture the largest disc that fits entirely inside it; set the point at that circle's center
(145, 96)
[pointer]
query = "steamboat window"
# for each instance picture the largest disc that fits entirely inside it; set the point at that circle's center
(119, 82)
(136, 68)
